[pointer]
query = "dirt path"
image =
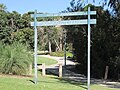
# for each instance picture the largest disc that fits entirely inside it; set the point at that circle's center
(60, 60)
(75, 77)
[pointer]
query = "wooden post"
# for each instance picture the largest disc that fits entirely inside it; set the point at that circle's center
(60, 70)
(106, 73)
(43, 69)
(30, 69)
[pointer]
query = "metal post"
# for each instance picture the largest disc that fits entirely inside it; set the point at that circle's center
(65, 49)
(35, 47)
(88, 81)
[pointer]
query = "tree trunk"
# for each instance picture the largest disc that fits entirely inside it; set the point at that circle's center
(58, 48)
(61, 45)
(50, 47)
(106, 73)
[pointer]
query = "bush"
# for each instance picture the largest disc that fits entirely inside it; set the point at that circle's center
(14, 59)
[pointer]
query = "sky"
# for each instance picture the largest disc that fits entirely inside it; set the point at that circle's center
(49, 6)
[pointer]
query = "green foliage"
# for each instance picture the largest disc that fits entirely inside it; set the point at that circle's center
(61, 54)
(105, 47)
(42, 52)
(25, 36)
(14, 59)
(45, 60)
(16, 27)
(12, 25)
(2, 7)
(105, 43)
(50, 35)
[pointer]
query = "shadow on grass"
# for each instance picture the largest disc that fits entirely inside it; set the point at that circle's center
(63, 80)
(67, 80)
(55, 72)
(39, 81)
(32, 81)
(112, 85)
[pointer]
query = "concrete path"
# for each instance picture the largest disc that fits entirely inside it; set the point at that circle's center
(60, 60)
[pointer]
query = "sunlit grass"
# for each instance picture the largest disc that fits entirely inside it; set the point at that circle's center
(44, 83)
(45, 60)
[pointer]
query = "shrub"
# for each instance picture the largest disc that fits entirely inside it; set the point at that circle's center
(14, 59)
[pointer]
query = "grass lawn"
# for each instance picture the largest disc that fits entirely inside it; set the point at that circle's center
(45, 83)
(45, 60)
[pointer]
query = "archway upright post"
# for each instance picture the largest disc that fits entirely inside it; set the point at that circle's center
(35, 48)
(88, 66)
(65, 56)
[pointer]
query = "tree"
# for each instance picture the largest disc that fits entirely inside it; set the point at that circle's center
(104, 42)
(115, 4)
(12, 24)
(25, 36)
(50, 38)
(25, 20)
(5, 30)
(3, 7)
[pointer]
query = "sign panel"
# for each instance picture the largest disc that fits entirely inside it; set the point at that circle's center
(65, 22)
(64, 14)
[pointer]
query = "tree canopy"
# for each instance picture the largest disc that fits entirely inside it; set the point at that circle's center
(105, 42)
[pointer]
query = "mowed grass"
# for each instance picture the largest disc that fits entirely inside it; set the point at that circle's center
(44, 83)
(45, 60)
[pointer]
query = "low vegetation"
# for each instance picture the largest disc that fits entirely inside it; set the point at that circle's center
(14, 59)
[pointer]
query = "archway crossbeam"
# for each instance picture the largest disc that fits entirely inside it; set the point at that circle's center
(64, 22)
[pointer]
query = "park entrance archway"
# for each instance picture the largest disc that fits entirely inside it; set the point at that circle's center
(88, 22)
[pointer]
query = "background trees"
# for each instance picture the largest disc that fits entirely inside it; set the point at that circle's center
(2, 7)
(104, 42)
(15, 36)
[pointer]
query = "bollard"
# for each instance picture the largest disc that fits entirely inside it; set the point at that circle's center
(43, 69)
(60, 70)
